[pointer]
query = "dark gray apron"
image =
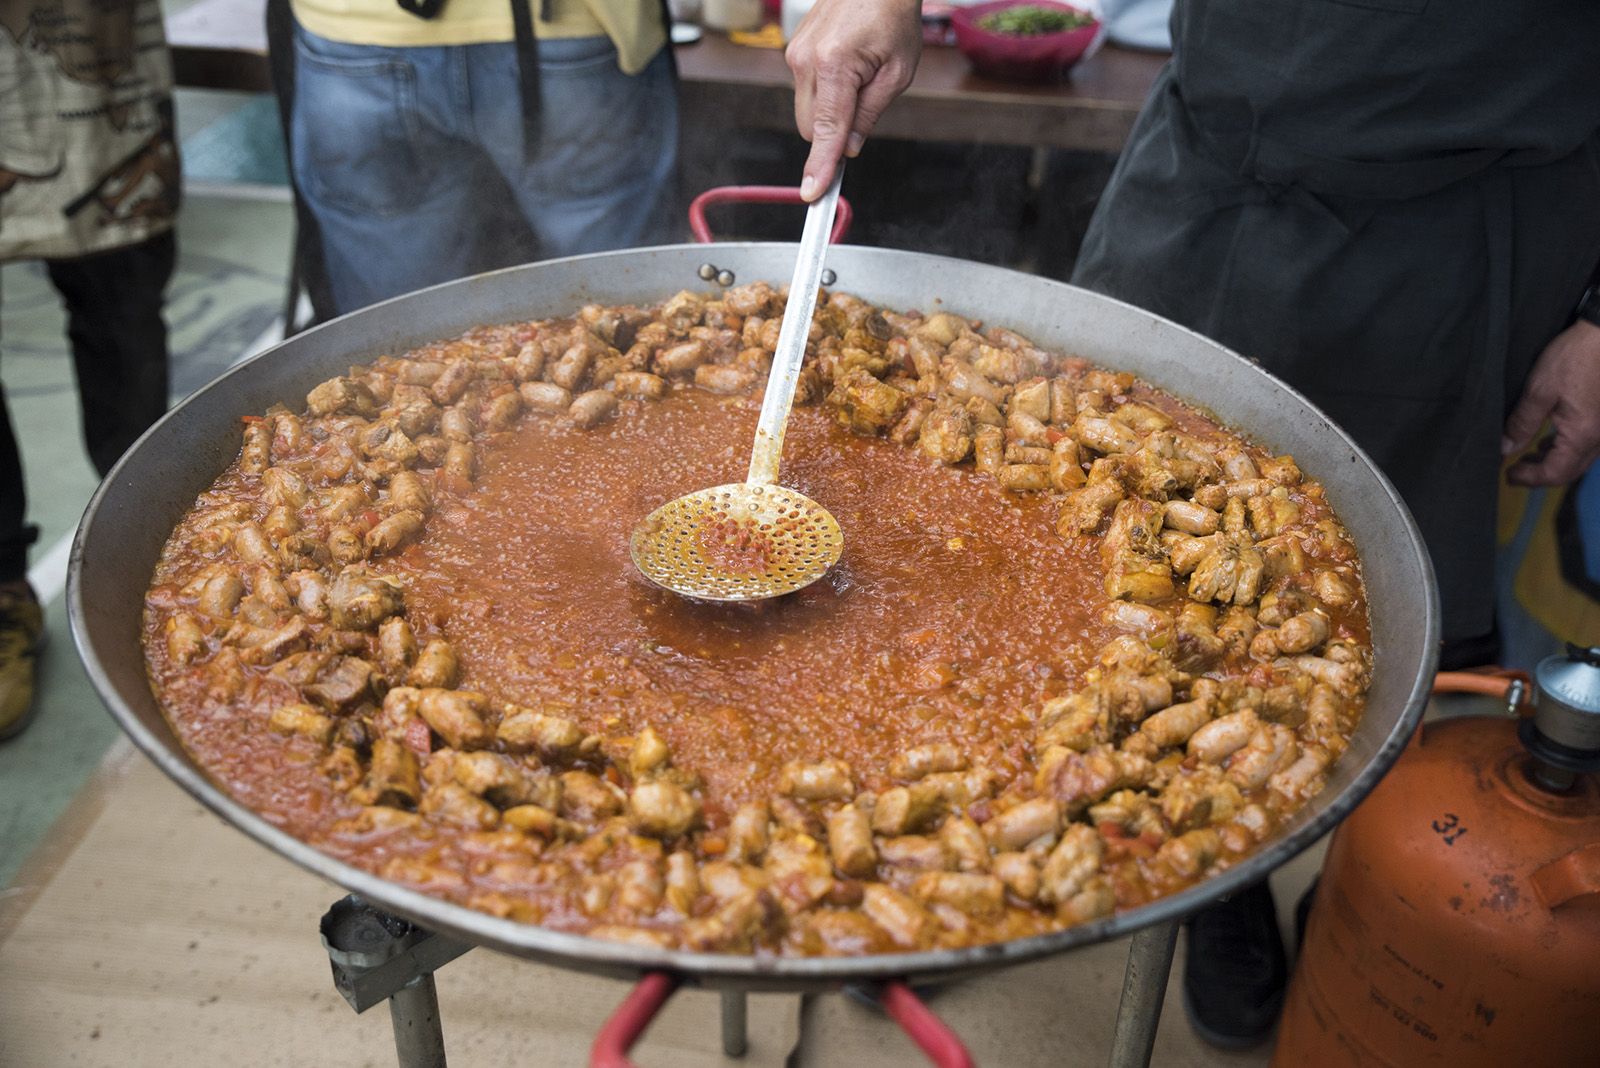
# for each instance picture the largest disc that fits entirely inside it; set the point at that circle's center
(1393, 204)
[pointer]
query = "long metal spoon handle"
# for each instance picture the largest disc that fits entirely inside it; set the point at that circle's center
(768, 451)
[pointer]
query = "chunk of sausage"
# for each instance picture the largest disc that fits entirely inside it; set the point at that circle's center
(904, 809)
(186, 642)
(905, 921)
(219, 597)
(827, 780)
(850, 842)
(1223, 736)
(545, 397)
(457, 716)
(923, 760)
(436, 666)
(640, 384)
(1303, 633)
(359, 601)
(1071, 864)
(524, 729)
(588, 797)
(1021, 824)
(662, 809)
(747, 832)
(395, 777)
(394, 532)
(301, 719)
(592, 408)
(977, 895)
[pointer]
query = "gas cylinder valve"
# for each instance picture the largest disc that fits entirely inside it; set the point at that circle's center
(1563, 736)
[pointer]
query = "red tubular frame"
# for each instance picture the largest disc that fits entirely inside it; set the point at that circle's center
(757, 194)
(619, 1033)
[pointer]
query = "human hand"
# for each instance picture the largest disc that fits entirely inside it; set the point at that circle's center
(850, 59)
(1563, 388)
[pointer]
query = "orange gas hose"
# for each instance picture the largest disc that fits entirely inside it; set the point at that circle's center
(1472, 682)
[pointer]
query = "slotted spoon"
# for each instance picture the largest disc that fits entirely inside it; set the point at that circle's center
(746, 541)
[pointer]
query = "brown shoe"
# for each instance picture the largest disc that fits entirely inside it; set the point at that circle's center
(21, 623)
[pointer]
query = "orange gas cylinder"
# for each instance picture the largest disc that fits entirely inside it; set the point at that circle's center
(1457, 921)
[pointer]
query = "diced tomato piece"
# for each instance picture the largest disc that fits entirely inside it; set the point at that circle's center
(1052, 435)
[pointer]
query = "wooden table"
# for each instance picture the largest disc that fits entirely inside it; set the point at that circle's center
(221, 44)
(1093, 110)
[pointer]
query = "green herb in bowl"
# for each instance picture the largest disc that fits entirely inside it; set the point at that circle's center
(1031, 20)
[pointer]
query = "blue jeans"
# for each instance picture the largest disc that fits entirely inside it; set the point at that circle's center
(411, 159)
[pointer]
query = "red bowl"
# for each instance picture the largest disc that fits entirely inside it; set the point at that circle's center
(1040, 57)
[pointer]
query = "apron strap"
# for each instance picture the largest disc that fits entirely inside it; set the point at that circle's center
(527, 47)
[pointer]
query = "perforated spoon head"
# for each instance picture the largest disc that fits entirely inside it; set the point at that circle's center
(738, 542)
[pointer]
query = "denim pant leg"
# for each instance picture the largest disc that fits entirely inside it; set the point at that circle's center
(607, 161)
(376, 157)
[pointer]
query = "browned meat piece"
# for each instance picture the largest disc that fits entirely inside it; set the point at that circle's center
(186, 641)
(865, 405)
(718, 378)
(977, 895)
(359, 601)
(342, 395)
(1078, 780)
(301, 719)
(281, 486)
(408, 493)
(420, 372)
(1303, 778)
(1028, 454)
(663, 809)
(393, 533)
(460, 466)
(395, 777)
(592, 408)
(397, 647)
(1023, 478)
(310, 593)
(1215, 741)
(984, 413)
(682, 359)
(1071, 864)
(342, 502)
(1175, 724)
(989, 443)
(1138, 619)
(386, 441)
(1083, 509)
(909, 428)
(904, 809)
(457, 716)
(914, 852)
(923, 760)
(572, 367)
(256, 454)
(906, 922)
(252, 545)
(525, 729)
(850, 842)
(640, 384)
(1271, 749)
(964, 840)
(1134, 530)
(1346, 679)
(827, 780)
(280, 523)
(343, 684)
(962, 788)
(259, 645)
(1104, 435)
(1017, 826)
(1332, 589)
(347, 543)
(1066, 470)
(545, 397)
(1229, 573)
(1189, 855)
(1199, 798)
(1272, 514)
(1032, 398)
(747, 832)
(588, 798)
(449, 386)
(219, 597)
(1196, 645)
(963, 382)
(1191, 518)
(1303, 633)
(451, 803)
(502, 411)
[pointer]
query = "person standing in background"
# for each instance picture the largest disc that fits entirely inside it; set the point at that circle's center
(434, 139)
(89, 184)
(1392, 204)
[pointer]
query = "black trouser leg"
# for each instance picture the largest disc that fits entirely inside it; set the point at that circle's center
(119, 340)
(15, 533)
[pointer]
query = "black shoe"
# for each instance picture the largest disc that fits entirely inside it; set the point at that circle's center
(1235, 971)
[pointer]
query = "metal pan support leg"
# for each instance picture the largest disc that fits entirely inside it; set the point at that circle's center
(379, 957)
(1144, 988)
(735, 1031)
